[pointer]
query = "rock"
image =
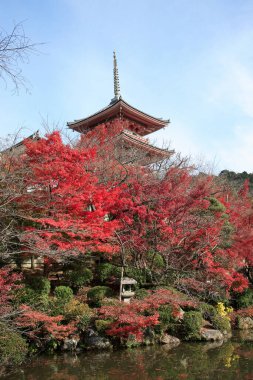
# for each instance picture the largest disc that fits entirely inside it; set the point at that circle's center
(70, 344)
(206, 324)
(170, 340)
(93, 341)
(245, 323)
(180, 315)
(246, 335)
(211, 335)
(227, 334)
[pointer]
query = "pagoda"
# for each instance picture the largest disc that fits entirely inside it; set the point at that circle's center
(136, 125)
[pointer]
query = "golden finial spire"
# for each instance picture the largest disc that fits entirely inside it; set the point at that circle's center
(116, 78)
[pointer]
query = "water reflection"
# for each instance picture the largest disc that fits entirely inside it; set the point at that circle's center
(231, 360)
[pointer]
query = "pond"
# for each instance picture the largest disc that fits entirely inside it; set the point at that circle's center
(192, 361)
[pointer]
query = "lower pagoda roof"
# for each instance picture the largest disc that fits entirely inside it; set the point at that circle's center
(119, 108)
(148, 153)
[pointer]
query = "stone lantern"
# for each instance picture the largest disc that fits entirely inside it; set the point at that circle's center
(127, 289)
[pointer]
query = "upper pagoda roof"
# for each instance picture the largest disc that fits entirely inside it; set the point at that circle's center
(119, 108)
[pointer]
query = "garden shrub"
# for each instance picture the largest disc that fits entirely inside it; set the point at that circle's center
(13, 348)
(167, 322)
(221, 323)
(245, 299)
(165, 315)
(29, 296)
(97, 294)
(39, 284)
(63, 294)
(107, 270)
(141, 293)
(80, 312)
(85, 321)
(140, 275)
(35, 293)
(208, 311)
(156, 259)
(75, 309)
(80, 277)
(110, 302)
(216, 205)
(102, 325)
(191, 325)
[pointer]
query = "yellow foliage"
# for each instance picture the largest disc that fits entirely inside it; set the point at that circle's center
(222, 310)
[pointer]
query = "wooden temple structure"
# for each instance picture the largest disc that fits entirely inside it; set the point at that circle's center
(136, 125)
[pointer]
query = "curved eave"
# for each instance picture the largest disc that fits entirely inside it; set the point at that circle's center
(119, 108)
(163, 153)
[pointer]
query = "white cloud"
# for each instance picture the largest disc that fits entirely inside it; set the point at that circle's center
(237, 154)
(235, 88)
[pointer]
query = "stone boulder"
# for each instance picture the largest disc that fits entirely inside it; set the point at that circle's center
(93, 341)
(211, 335)
(70, 344)
(246, 335)
(245, 323)
(170, 340)
(206, 324)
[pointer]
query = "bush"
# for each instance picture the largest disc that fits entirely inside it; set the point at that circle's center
(215, 205)
(85, 322)
(13, 348)
(165, 315)
(140, 275)
(40, 284)
(63, 294)
(208, 311)
(244, 299)
(29, 296)
(98, 293)
(221, 323)
(141, 293)
(191, 325)
(107, 270)
(75, 309)
(35, 293)
(80, 277)
(156, 259)
(102, 325)
(110, 302)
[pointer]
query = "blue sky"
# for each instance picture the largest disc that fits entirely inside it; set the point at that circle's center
(187, 60)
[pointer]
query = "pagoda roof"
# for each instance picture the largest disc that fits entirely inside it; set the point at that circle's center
(119, 108)
(154, 153)
(20, 146)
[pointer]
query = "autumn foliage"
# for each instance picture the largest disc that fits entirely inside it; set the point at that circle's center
(171, 227)
(132, 319)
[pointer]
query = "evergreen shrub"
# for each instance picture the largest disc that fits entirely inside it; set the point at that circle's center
(192, 323)
(80, 277)
(245, 299)
(63, 294)
(39, 284)
(97, 294)
(221, 323)
(107, 270)
(141, 293)
(13, 348)
(102, 325)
